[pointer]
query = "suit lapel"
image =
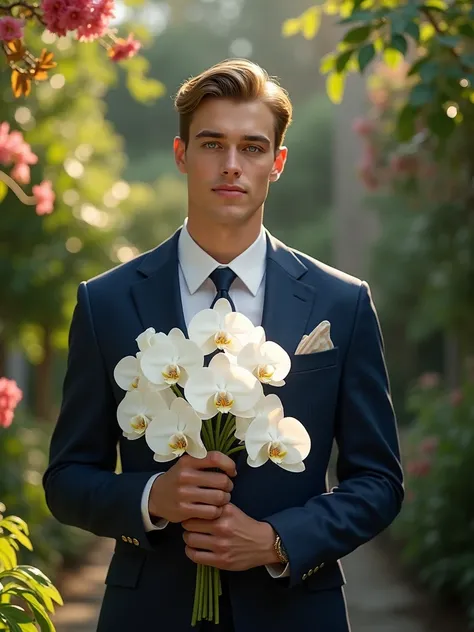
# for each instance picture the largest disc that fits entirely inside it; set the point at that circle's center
(157, 296)
(288, 301)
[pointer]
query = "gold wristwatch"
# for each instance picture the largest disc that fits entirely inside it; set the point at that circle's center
(280, 550)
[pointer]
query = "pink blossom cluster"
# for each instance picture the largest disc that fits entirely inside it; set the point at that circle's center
(11, 28)
(10, 396)
(123, 49)
(15, 150)
(89, 18)
(420, 467)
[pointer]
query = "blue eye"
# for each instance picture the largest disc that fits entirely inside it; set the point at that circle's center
(209, 143)
(253, 149)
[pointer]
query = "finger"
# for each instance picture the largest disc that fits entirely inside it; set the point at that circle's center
(218, 460)
(201, 512)
(207, 558)
(205, 496)
(199, 541)
(213, 480)
(199, 526)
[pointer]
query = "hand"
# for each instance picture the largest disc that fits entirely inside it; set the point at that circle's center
(187, 491)
(232, 542)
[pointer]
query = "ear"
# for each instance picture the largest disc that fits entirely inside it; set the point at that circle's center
(179, 149)
(279, 164)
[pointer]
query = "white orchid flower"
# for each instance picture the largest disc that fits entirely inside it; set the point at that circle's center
(269, 362)
(137, 409)
(220, 328)
(128, 373)
(265, 405)
(146, 339)
(223, 387)
(283, 440)
(170, 359)
(175, 432)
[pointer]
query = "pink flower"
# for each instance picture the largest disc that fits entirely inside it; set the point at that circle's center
(10, 396)
(404, 164)
(45, 197)
(428, 381)
(21, 173)
(124, 49)
(362, 126)
(429, 445)
(11, 28)
(89, 18)
(97, 24)
(456, 397)
(419, 468)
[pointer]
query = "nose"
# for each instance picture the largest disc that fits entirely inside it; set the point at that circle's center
(231, 166)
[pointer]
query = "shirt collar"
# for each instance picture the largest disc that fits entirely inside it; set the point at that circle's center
(197, 265)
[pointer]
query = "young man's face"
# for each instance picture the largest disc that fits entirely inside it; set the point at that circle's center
(230, 160)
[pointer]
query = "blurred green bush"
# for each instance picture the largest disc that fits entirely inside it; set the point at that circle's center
(23, 458)
(436, 525)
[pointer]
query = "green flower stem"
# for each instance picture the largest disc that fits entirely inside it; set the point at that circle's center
(207, 437)
(205, 592)
(210, 429)
(211, 593)
(217, 592)
(229, 428)
(237, 449)
(176, 390)
(197, 593)
(218, 431)
(230, 442)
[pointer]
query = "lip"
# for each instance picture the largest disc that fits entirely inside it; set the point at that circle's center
(229, 191)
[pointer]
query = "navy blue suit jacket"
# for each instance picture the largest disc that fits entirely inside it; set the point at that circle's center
(340, 394)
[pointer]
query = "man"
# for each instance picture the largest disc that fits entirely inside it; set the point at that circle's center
(276, 535)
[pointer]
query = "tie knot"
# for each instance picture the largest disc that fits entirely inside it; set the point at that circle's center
(222, 278)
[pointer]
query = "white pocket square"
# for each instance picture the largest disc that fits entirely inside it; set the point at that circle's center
(318, 340)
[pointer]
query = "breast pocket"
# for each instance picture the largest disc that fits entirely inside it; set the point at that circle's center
(314, 361)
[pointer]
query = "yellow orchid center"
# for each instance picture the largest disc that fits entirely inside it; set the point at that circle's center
(178, 444)
(222, 339)
(139, 423)
(223, 401)
(265, 372)
(135, 382)
(171, 373)
(277, 451)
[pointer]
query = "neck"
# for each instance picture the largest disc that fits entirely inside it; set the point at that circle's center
(224, 242)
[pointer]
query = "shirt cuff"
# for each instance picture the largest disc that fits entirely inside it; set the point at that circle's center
(161, 523)
(277, 571)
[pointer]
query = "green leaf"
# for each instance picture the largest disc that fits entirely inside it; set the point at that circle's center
(9, 623)
(365, 56)
(392, 57)
(343, 60)
(430, 71)
(15, 613)
(20, 522)
(335, 87)
(467, 30)
(3, 190)
(468, 59)
(16, 531)
(41, 616)
(327, 63)
(437, 5)
(450, 41)
(406, 123)
(365, 16)
(413, 30)
(441, 124)
(357, 35)
(7, 554)
(398, 42)
(422, 94)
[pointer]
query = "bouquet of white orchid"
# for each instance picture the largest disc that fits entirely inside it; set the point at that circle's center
(223, 407)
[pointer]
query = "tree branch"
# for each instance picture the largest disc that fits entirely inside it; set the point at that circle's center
(29, 200)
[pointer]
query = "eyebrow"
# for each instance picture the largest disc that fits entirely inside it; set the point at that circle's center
(259, 138)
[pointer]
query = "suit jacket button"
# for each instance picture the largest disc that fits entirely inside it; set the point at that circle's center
(321, 565)
(129, 539)
(316, 569)
(310, 572)
(124, 538)
(136, 542)
(305, 576)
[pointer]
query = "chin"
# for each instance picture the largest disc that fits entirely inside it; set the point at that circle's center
(232, 214)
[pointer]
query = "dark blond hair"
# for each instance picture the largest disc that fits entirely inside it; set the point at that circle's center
(239, 80)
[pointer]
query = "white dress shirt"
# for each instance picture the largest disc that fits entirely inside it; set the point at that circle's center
(197, 293)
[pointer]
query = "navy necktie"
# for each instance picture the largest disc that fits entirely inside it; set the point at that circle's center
(223, 279)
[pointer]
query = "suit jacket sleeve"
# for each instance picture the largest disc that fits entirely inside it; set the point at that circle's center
(370, 490)
(81, 486)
